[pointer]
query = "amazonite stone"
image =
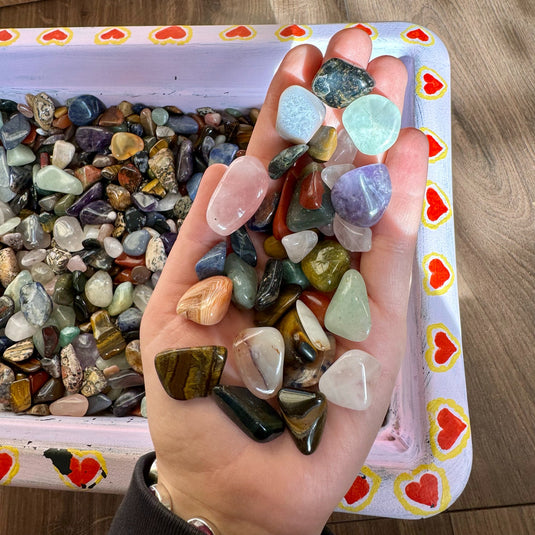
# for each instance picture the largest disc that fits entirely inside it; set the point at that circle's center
(348, 313)
(299, 244)
(123, 298)
(243, 277)
(299, 115)
(67, 335)
(373, 123)
(259, 355)
(20, 155)
(348, 381)
(52, 178)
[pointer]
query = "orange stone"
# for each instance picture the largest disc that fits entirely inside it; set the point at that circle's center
(125, 144)
(317, 302)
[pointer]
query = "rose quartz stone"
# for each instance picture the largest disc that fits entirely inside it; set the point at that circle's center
(238, 195)
(74, 405)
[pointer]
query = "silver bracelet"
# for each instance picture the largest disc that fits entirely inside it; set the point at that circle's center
(163, 496)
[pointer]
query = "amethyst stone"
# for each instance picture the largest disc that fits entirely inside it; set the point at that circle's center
(93, 138)
(361, 196)
(97, 213)
(94, 193)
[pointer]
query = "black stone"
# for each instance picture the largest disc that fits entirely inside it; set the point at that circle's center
(269, 287)
(243, 246)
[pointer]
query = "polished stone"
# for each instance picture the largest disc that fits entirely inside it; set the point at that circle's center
(7, 309)
(269, 285)
(325, 265)
(94, 382)
(312, 327)
(133, 356)
(269, 316)
(128, 401)
(19, 351)
(293, 274)
(92, 138)
(331, 174)
(244, 281)
(299, 244)
(124, 145)
(285, 159)
(361, 196)
(14, 131)
(109, 339)
(20, 395)
(258, 353)
(99, 289)
(213, 262)
(299, 115)
(183, 124)
(349, 381)
(18, 328)
(52, 178)
(262, 219)
(373, 123)
(190, 372)
(35, 304)
(305, 414)
(351, 237)
(207, 301)
(223, 153)
(155, 256)
(323, 144)
(98, 403)
(162, 165)
(9, 268)
(274, 248)
(84, 109)
(311, 188)
(298, 347)
(67, 335)
(20, 155)
(243, 246)
(254, 416)
(71, 370)
(123, 298)
(317, 302)
(129, 320)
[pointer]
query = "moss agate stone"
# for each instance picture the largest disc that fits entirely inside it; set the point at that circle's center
(338, 83)
(305, 414)
(190, 372)
(325, 265)
(254, 416)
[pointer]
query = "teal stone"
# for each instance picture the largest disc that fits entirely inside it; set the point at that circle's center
(243, 277)
(299, 115)
(123, 298)
(299, 218)
(285, 159)
(254, 416)
(20, 155)
(338, 83)
(373, 123)
(67, 335)
(293, 274)
(348, 313)
(160, 116)
(52, 178)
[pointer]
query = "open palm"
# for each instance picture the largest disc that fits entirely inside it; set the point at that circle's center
(209, 466)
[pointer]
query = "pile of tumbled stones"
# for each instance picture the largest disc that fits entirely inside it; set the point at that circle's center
(308, 290)
(91, 201)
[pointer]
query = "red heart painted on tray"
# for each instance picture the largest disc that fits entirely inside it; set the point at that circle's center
(6, 462)
(437, 207)
(434, 146)
(440, 274)
(418, 34)
(55, 35)
(425, 491)
(239, 31)
(450, 428)
(358, 490)
(6, 35)
(83, 472)
(445, 348)
(171, 32)
(293, 30)
(432, 85)
(114, 33)
(364, 28)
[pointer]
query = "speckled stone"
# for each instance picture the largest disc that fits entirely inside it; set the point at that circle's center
(71, 370)
(94, 382)
(285, 159)
(35, 304)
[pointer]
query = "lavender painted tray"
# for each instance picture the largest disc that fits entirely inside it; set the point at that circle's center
(421, 459)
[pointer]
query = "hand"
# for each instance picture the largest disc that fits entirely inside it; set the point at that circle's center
(209, 466)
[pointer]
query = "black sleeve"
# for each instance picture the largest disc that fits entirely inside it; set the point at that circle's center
(140, 512)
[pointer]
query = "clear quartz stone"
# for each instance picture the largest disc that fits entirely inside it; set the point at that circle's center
(331, 174)
(18, 328)
(68, 233)
(99, 289)
(312, 327)
(141, 296)
(299, 244)
(345, 150)
(351, 237)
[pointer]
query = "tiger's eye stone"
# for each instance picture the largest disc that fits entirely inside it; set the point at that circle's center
(254, 416)
(297, 345)
(20, 395)
(124, 145)
(190, 372)
(274, 248)
(109, 339)
(323, 144)
(287, 297)
(325, 265)
(305, 414)
(53, 389)
(206, 302)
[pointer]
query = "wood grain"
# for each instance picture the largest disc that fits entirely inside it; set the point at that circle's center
(492, 49)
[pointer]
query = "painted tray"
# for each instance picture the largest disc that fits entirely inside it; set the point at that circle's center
(421, 459)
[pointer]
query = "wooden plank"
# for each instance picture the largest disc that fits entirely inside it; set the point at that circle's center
(518, 520)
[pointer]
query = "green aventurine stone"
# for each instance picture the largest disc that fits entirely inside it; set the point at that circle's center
(52, 178)
(20, 155)
(325, 265)
(123, 297)
(244, 281)
(254, 416)
(67, 335)
(305, 414)
(348, 313)
(190, 372)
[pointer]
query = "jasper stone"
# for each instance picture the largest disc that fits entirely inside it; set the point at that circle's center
(244, 281)
(71, 370)
(84, 109)
(361, 195)
(323, 143)
(9, 267)
(94, 382)
(243, 246)
(238, 195)
(338, 83)
(299, 115)
(325, 265)
(305, 414)
(373, 123)
(213, 262)
(155, 257)
(285, 159)
(190, 372)
(254, 416)
(35, 304)
(19, 352)
(259, 356)
(349, 380)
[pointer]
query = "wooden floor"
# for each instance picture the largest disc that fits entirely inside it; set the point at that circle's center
(491, 43)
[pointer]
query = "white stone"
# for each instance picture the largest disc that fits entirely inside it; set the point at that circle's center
(32, 257)
(99, 289)
(331, 174)
(52, 178)
(68, 233)
(105, 231)
(9, 225)
(349, 380)
(42, 273)
(259, 355)
(63, 153)
(142, 294)
(112, 246)
(18, 328)
(6, 213)
(312, 327)
(299, 244)
(91, 232)
(155, 256)
(351, 237)
(21, 155)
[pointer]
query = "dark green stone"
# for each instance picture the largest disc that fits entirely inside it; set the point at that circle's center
(254, 416)
(338, 83)
(269, 287)
(285, 159)
(78, 281)
(190, 372)
(305, 414)
(63, 291)
(293, 274)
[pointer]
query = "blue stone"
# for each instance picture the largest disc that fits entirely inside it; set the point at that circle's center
(129, 320)
(184, 161)
(263, 217)
(98, 403)
(93, 138)
(192, 185)
(213, 262)
(243, 246)
(14, 131)
(144, 201)
(94, 193)
(138, 107)
(361, 195)
(208, 143)
(135, 244)
(223, 153)
(158, 222)
(137, 129)
(168, 240)
(183, 124)
(84, 109)
(5, 342)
